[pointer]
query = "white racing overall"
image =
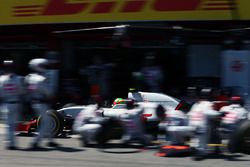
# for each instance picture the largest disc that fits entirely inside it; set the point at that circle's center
(83, 125)
(199, 116)
(11, 90)
(177, 127)
(38, 94)
(234, 114)
(133, 126)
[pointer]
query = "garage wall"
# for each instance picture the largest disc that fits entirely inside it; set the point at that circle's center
(204, 60)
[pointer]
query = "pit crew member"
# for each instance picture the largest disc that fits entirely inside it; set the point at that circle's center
(11, 94)
(39, 94)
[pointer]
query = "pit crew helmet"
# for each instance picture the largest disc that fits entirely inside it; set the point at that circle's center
(39, 64)
(236, 100)
(206, 94)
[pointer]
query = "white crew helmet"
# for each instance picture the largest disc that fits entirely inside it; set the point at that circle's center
(39, 64)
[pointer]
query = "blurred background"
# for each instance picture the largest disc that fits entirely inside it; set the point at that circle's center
(102, 48)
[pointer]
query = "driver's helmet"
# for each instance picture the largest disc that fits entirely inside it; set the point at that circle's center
(130, 103)
(118, 101)
(39, 64)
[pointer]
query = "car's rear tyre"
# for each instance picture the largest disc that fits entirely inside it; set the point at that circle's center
(152, 128)
(84, 142)
(240, 141)
(111, 129)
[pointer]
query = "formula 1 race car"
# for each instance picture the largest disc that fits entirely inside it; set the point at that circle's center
(154, 105)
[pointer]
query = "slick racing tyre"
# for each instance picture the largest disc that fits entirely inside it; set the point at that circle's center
(54, 123)
(240, 141)
(111, 129)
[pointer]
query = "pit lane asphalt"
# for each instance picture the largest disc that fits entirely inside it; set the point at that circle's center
(70, 154)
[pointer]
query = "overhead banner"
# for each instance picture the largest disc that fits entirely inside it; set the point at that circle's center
(80, 11)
